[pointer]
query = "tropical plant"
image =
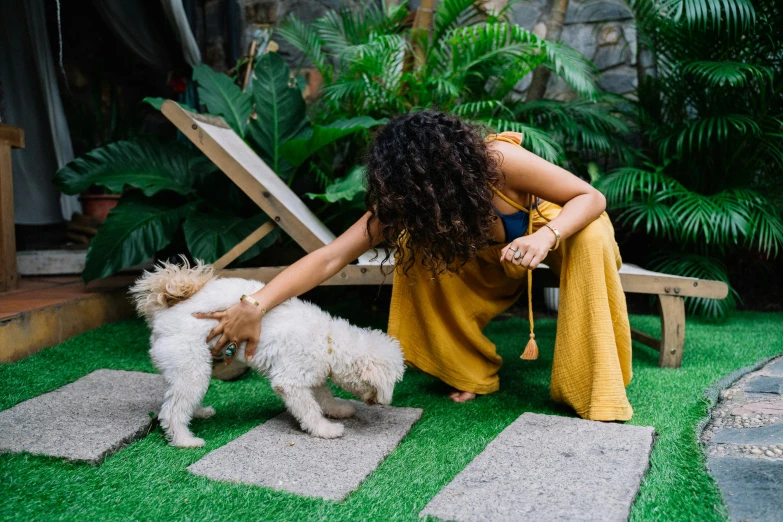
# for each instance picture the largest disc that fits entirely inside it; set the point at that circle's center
(171, 191)
(374, 64)
(711, 119)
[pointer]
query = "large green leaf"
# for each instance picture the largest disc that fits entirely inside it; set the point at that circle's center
(209, 235)
(280, 110)
(346, 188)
(135, 230)
(223, 97)
(297, 150)
(157, 103)
(145, 164)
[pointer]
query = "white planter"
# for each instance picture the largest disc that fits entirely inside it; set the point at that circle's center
(551, 298)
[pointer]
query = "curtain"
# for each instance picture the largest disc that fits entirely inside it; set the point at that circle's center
(175, 13)
(32, 101)
(130, 22)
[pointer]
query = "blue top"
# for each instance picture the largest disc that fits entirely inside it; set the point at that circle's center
(514, 225)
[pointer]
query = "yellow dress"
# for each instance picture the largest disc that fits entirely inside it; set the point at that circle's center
(439, 320)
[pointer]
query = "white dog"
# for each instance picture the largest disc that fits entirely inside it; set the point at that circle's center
(300, 347)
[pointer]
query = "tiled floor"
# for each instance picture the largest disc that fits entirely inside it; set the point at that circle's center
(38, 292)
(47, 310)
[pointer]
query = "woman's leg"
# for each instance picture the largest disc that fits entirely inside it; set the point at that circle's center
(592, 361)
(439, 323)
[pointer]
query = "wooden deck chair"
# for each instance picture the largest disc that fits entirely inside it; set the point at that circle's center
(249, 172)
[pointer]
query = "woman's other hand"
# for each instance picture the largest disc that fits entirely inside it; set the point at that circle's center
(238, 324)
(532, 249)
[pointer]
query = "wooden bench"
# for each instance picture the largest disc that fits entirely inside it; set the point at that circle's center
(249, 172)
(10, 138)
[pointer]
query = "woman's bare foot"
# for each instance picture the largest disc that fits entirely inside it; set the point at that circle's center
(461, 396)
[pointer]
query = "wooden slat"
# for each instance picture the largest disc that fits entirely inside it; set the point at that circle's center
(242, 247)
(643, 338)
(11, 136)
(672, 331)
(543, 277)
(674, 286)
(350, 275)
(9, 278)
(240, 163)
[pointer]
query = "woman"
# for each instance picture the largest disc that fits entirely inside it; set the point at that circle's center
(452, 204)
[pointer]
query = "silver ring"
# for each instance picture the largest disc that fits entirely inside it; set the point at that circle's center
(231, 350)
(517, 254)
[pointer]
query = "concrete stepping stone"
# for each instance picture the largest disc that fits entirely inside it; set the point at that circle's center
(278, 455)
(763, 436)
(751, 488)
(765, 384)
(543, 467)
(86, 420)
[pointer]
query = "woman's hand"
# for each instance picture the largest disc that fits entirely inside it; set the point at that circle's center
(238, 324)
(532, 249)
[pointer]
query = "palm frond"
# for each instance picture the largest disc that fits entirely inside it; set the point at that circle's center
(331, 31)
(622, 186)
(482, 108)
(651, 211)
(303, 37)
(372, 80)
(719, 73)
(584, 125)
(534, 139)
(708, 132)
(701, 14)
(695, 214)
(475, 50)
(452, 14)
(575, 69)
(765, 227)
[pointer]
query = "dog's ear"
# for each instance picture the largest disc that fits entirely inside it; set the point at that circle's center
(369, 371)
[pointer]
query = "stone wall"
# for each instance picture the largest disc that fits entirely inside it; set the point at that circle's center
(602, 30)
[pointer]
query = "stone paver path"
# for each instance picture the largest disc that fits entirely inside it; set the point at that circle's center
(278, 455)
(544, 467)
(86, 420)
(744, 443)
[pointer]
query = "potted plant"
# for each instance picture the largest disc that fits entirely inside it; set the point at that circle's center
(97, 203)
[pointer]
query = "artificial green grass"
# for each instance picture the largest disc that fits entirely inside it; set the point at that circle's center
(148, 480)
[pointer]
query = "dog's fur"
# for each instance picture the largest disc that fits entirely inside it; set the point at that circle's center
(300, 347)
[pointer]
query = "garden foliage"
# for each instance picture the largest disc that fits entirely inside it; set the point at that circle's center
(699, 154)
(710, 116)
(172, 192)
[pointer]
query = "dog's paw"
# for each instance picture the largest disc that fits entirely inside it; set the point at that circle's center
(188, 442)
(328, 430)
(341, 410)
(204, 412)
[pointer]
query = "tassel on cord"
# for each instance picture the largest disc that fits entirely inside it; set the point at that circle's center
(531, 349)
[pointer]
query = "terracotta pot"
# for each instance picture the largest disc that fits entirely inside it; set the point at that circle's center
(98, 205)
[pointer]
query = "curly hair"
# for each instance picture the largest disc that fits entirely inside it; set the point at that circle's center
(429, 184)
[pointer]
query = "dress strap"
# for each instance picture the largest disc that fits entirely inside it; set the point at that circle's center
(514, 138)
(510, 201)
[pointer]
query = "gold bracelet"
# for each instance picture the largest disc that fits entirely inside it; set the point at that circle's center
(557, 236)
(249, 300)
(253, 302)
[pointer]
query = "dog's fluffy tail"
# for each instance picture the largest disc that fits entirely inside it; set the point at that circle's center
(169, 284)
